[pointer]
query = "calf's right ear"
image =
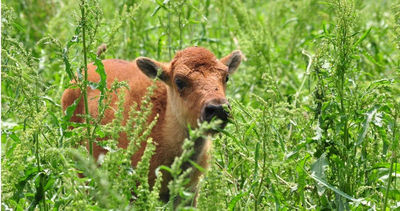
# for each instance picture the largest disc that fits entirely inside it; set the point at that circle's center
(152, 68)
(232, 61)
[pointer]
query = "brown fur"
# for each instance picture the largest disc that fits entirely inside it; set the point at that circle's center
(205, 75)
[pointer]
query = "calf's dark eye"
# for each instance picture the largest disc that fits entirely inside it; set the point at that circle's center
(180, 84)
(227, 78)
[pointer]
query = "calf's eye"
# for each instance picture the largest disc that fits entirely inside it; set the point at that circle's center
(226, 78)
(180, 84)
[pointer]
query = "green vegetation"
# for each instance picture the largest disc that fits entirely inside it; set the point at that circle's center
(316, 104)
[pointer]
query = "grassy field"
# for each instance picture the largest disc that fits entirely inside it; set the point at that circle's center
(315, 102)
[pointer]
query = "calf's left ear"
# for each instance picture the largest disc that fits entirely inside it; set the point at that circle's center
(152, 68)
(232, 61)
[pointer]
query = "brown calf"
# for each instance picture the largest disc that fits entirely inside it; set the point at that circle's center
(192, 88)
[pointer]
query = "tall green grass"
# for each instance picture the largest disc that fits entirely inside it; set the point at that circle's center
(315, 104)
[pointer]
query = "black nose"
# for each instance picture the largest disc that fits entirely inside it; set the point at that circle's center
(216, 111)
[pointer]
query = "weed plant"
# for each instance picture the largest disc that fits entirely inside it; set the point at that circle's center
(315, 104)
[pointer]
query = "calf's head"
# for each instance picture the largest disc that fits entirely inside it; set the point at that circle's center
(196, 82)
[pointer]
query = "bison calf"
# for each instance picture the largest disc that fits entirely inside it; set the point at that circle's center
(191, 89)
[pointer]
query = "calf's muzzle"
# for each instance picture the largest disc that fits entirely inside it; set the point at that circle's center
(216, 109)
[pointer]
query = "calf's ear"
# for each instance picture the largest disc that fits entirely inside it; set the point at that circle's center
(152, 68)
(232, 61)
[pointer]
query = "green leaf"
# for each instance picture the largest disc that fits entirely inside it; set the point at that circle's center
(49, 183)
(197, 166)
(370, 114)
(29, 173)
(256, 156)
(301, 183)
(341, 193)
(362, 37)
(69, 112)
(235, 199)
(318, 169)
(379, 83)
(102, 84)
(160, 5)
(10, 149)
(74, 40)
(100, 133)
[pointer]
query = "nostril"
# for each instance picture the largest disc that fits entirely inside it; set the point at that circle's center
(209, 112)
(216, 111)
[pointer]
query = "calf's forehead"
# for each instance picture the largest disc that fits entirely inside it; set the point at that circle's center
(196, 59)
(203, 72)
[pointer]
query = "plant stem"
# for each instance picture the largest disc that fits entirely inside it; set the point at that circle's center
(36, 140)
(180, 29)
(85, 82)
(169, 35)
(344, 10)
(394, 155)
(296, 96)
